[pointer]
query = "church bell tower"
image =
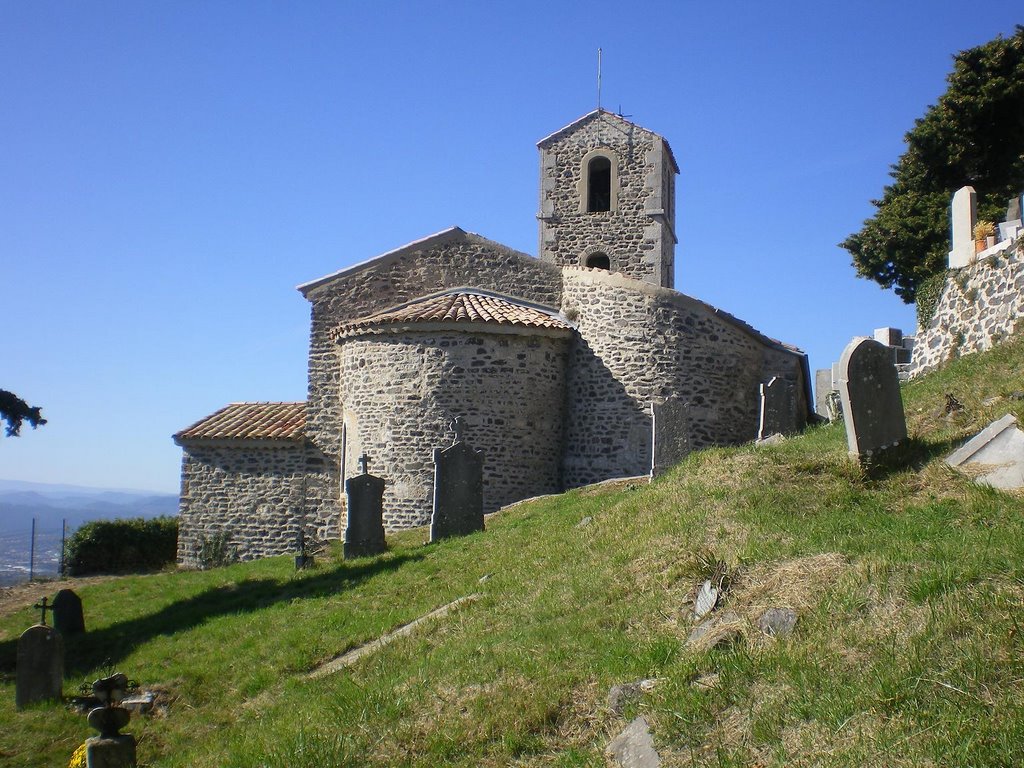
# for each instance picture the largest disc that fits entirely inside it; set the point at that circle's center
(607, 198)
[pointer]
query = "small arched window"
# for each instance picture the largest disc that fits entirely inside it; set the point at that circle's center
(599, 184)
(599, 261)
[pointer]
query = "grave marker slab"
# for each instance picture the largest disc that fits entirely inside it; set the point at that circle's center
(778, 408)
(869, 388)
(670, 432)
(1013, 209)
(963, 216)
(40, 666)
(364, 532)
(458, 491)
(1000, 449)
(68, 618)
(822, 388)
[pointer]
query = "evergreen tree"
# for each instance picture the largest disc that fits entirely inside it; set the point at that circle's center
(973, 136)
(16, 411)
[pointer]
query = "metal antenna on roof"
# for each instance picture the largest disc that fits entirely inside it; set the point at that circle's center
(598, 79)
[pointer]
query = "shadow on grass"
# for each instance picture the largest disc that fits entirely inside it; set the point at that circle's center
(88, 651)
(912, 454)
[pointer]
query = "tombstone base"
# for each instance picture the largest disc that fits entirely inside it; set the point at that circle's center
(302, 562)
(881, 461)
(364, 549)
(118, 752)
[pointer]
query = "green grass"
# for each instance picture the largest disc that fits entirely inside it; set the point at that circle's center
(909, 584)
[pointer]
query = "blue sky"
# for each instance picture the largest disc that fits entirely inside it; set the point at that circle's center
(170, 171)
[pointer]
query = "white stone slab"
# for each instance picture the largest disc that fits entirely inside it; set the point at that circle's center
(963, 217)
(1009, 229)
(891, 337)
(999, 446)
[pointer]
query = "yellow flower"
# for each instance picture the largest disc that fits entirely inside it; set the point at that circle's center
(78, 759)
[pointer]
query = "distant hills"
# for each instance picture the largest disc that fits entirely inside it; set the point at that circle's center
(49, 505)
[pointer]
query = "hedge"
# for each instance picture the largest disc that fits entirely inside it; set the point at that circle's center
(128, 545)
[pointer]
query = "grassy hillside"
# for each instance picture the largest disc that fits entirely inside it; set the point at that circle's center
(909, 587)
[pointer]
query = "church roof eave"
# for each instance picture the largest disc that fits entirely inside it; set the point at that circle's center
(438, 238)
(263, 421)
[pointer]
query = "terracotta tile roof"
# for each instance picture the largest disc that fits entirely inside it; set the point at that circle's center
(461, 305)
(250, 421)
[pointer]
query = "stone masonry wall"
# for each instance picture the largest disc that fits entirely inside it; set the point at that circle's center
(401, 391)
(979, 307)
(637, 344)
(451, 261)
(258, 492)
(638, 236)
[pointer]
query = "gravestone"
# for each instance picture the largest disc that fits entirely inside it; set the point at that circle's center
(364, 532)
(1013, 209)
(963, 216)
(778, 408)
(67, 613)
(670, 430)
(40, 663)
(891, 337)
(869, 388)
(1011, 228)
(458, 489)
(997, 451)
(822, 388)
(111, 749)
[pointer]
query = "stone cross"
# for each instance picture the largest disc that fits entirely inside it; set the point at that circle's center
(43, 608)
(364, 463)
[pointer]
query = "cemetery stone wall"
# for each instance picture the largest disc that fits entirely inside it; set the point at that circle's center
(980, 306)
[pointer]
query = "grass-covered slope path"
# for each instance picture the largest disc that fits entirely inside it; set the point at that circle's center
(909, 587)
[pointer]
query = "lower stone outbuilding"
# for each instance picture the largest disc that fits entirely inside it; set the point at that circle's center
(249, 485)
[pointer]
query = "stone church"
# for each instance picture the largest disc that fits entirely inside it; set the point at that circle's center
(555, 363)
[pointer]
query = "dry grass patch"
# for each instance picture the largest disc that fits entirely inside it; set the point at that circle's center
(798, 583)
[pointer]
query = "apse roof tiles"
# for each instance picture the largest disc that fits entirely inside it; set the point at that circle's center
(461, 305)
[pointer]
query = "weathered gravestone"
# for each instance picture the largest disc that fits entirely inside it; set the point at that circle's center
(670, 434)
(67, 613)
(869, 387)
(40, 663)
(778, 408)
(822, 389)
(458, 489)
(364, 532)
